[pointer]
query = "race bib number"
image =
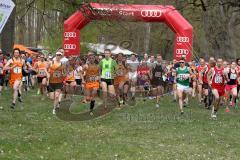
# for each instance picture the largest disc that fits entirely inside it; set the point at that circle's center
(108, 75)
(233, 76)
(180, 77)
(218, 79)
(57, 74)
(1, 71)
(17, 70)
(42, 73)
(92, 79)
(70, 74)
(164, 78)
(120, 72)
(158, 74)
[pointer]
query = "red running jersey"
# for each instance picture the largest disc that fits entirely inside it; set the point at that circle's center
(218, 78)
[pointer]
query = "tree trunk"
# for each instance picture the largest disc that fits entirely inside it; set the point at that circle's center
(147, 38)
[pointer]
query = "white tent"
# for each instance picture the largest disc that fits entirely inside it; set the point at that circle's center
(99, 48)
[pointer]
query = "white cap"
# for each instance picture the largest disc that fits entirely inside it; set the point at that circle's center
(59, 53)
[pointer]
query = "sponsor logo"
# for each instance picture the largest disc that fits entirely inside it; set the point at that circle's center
(182, 51)
(124, 13)
(70, 35)
(103, 12)
(182, 39)
(151, 13)
(5, 6)
(70, 46)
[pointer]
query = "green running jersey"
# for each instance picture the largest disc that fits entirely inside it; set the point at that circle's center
(183, 76)
(108, 67)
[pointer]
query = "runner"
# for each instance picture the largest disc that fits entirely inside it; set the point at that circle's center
(216, 78)
(133, 64)
(40, 68)
(91, 80)
(157, 80)
(203, 87)
(183, 74)
(193, 78)
(56, 77)
(15, 65)
(3, 62)
(108, 68)
(120, 80)
(78, 72)
(173, 76)
(70, 82)
(231, 86)
(33, 73)
(143, 73)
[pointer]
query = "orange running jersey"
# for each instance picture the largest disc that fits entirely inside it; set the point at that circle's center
(70, 75)
(92, 73)
(41, 69)
(16, 72)
(56, 73)
(120, 74)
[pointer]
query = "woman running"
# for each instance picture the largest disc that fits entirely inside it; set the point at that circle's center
(57, 72)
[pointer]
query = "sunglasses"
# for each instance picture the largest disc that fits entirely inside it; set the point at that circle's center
(58, 55)
(181, 62)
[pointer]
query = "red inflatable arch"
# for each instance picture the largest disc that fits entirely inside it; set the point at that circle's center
(133, 13)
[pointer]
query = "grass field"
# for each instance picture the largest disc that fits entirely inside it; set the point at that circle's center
(142, 132)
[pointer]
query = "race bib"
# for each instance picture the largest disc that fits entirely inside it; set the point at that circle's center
(218, 79)
(70, 74)
(108, 75)
(57, 74)
(42, 73)
(233, 76)
(158, 74)
(92, 78)
(164, 78)
(120, 72)
(180, 77)
(1, 71)
(17, 70)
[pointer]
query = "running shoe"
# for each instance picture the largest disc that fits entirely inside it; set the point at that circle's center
(227, 110)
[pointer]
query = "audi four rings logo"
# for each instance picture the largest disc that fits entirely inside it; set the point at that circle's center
(182, 51)
(182, 39)
(151, 13)
(70, 35)
(70, 46)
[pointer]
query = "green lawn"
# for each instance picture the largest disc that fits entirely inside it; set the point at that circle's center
(142, 132)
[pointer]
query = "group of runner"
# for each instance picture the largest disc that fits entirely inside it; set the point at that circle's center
(121, 77)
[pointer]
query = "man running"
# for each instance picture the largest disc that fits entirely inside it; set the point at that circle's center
(133, 64)
(231, 86)
(216, 78)
(203, 86)
(120, 79)
(15, 65)
(108, 68)
(143, 73)
(157, 81)
(3, 62)
(91, 80)
(183, 74)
